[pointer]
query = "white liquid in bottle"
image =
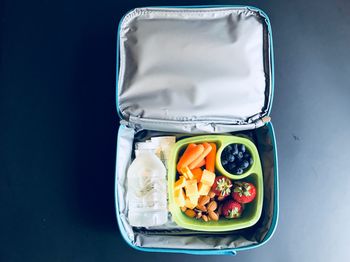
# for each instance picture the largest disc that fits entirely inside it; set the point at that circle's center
(147, 194)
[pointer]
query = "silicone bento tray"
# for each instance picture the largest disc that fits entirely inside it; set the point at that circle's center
(252, 211)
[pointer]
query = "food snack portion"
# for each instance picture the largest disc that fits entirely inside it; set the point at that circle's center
(244, 192)
(236, 159)
(195, 182)
(203, 193)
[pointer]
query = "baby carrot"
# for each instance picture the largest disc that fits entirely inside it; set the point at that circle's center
(197, 174)
(191, 153)
(202, 163)
(211, 158)
(207, 149)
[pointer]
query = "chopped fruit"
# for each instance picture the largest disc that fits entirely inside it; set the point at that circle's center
(201, 157)
(222, 186)
(187, 172)
(179, 197)
(197, 174)
(203, 189)
(211, 158)
(244, 192)
(180, 183)
(191, 153)
(189, 204)
(191, 188)
(232, 209)
(208, 177)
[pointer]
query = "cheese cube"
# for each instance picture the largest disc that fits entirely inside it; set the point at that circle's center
(208, 178)
(194, 199)
(189, 204)
(187, 172)
(191, 188)
(180, 183)
(179, 197)
(203, 189)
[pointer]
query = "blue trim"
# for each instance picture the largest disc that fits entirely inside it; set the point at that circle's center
(117, 66)
(270, 126)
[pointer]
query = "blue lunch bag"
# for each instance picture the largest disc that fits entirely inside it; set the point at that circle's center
(196, 70)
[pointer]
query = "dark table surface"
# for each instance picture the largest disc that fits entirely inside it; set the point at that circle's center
(59, 127)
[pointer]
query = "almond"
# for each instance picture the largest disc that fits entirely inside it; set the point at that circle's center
(203, 200)
(190, 213)
(202, 208)
(213, 216)
(220, 209)
(205, 218)
(199, 215)
(211, 194)
(212, 206)
(183, 209)
(220, 198)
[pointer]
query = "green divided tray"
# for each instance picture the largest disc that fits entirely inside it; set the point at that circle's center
(252, 211)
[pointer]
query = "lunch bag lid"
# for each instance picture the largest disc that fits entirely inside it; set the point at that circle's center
(178, 64)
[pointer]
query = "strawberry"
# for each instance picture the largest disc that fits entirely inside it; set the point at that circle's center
(222, 186)
(232, 209)
(244, 192)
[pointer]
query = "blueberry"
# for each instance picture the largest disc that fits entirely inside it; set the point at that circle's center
(251, 160)
(228, 148)
(245, 164)
(242, 148)
(235, 149)
(231, 166)
(246, 155)
(231, 158)
(240, 155)
(227, 157)
(239, 171)
(224, 162)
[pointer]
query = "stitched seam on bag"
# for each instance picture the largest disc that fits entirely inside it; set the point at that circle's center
(191, 12)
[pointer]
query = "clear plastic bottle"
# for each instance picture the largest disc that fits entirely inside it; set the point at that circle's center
(147, 192)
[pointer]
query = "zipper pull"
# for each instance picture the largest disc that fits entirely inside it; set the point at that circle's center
(266, 119)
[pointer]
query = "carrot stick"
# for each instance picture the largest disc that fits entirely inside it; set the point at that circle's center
(207, 149)
(191, 153)
(202, 163)
(211, 158)
(197, 174)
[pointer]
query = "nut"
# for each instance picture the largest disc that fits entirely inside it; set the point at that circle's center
(201, 208)
(190, 213)
(205, 218)
(213, 216)
(183, 209)
(220, 198)
(211, 194)
(220, 209)
(199, 215)
(212, 206)
(203, 200)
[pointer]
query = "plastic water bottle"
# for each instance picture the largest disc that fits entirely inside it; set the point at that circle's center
(147, 191)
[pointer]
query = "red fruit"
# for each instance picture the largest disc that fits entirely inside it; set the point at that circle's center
(222, 186)
(232, 209)
(244, 192)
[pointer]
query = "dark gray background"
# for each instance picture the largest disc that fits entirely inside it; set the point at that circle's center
(59, 125)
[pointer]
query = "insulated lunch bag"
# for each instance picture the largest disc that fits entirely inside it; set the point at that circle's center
(197, 74)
